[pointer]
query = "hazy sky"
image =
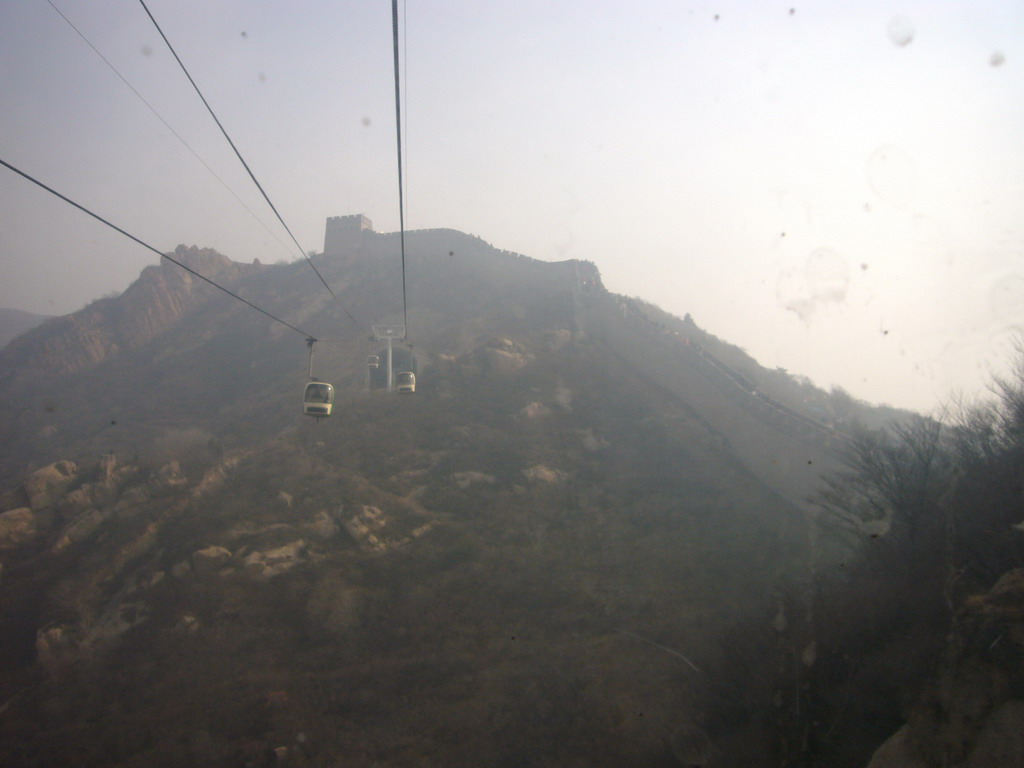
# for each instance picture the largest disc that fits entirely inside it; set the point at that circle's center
(836, 187)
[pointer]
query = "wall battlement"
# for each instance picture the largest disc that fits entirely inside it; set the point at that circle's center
(345, 233)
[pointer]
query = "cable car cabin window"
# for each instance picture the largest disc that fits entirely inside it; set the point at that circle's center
(318, 399)
(405, 381)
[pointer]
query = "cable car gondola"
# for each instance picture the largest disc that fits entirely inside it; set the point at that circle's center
(405, 381)
(373, 361)
(318, 399)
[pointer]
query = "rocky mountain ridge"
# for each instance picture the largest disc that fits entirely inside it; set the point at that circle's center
(530, 561)
(153, 304)
(973, 714)
(120, 334)
(14, 322)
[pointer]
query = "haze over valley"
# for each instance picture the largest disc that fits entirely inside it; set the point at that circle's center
(524, 384)
(835, 188)
(595, 535)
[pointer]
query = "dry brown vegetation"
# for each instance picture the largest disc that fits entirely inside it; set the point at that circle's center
(555, 553)
(933, 510)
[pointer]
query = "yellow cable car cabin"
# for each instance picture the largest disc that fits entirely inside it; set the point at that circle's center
(318, 399)
(405, 381)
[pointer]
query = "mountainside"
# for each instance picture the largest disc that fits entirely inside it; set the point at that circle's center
(14, 322)
(972, 714)
(89, 379)
(534, 560)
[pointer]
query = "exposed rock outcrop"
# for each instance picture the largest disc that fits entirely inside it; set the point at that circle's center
(155, 302)
(210, 559)
(466, 479)
(366, 527)
(169, 476)
(545, 475)
(535, 410)
(46, 486)
(272, 562)
(505, 356)
(16, 527)
(81, 528)
(15, 498)
(974, 715)
(83, 510)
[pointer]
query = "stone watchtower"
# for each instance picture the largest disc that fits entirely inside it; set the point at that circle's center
(345, 234)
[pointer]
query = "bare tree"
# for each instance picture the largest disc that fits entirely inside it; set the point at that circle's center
(894, 482)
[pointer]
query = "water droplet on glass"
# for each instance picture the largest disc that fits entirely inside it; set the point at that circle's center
(147, 51)
(998, 59)
(901, 31)
(824, 279)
